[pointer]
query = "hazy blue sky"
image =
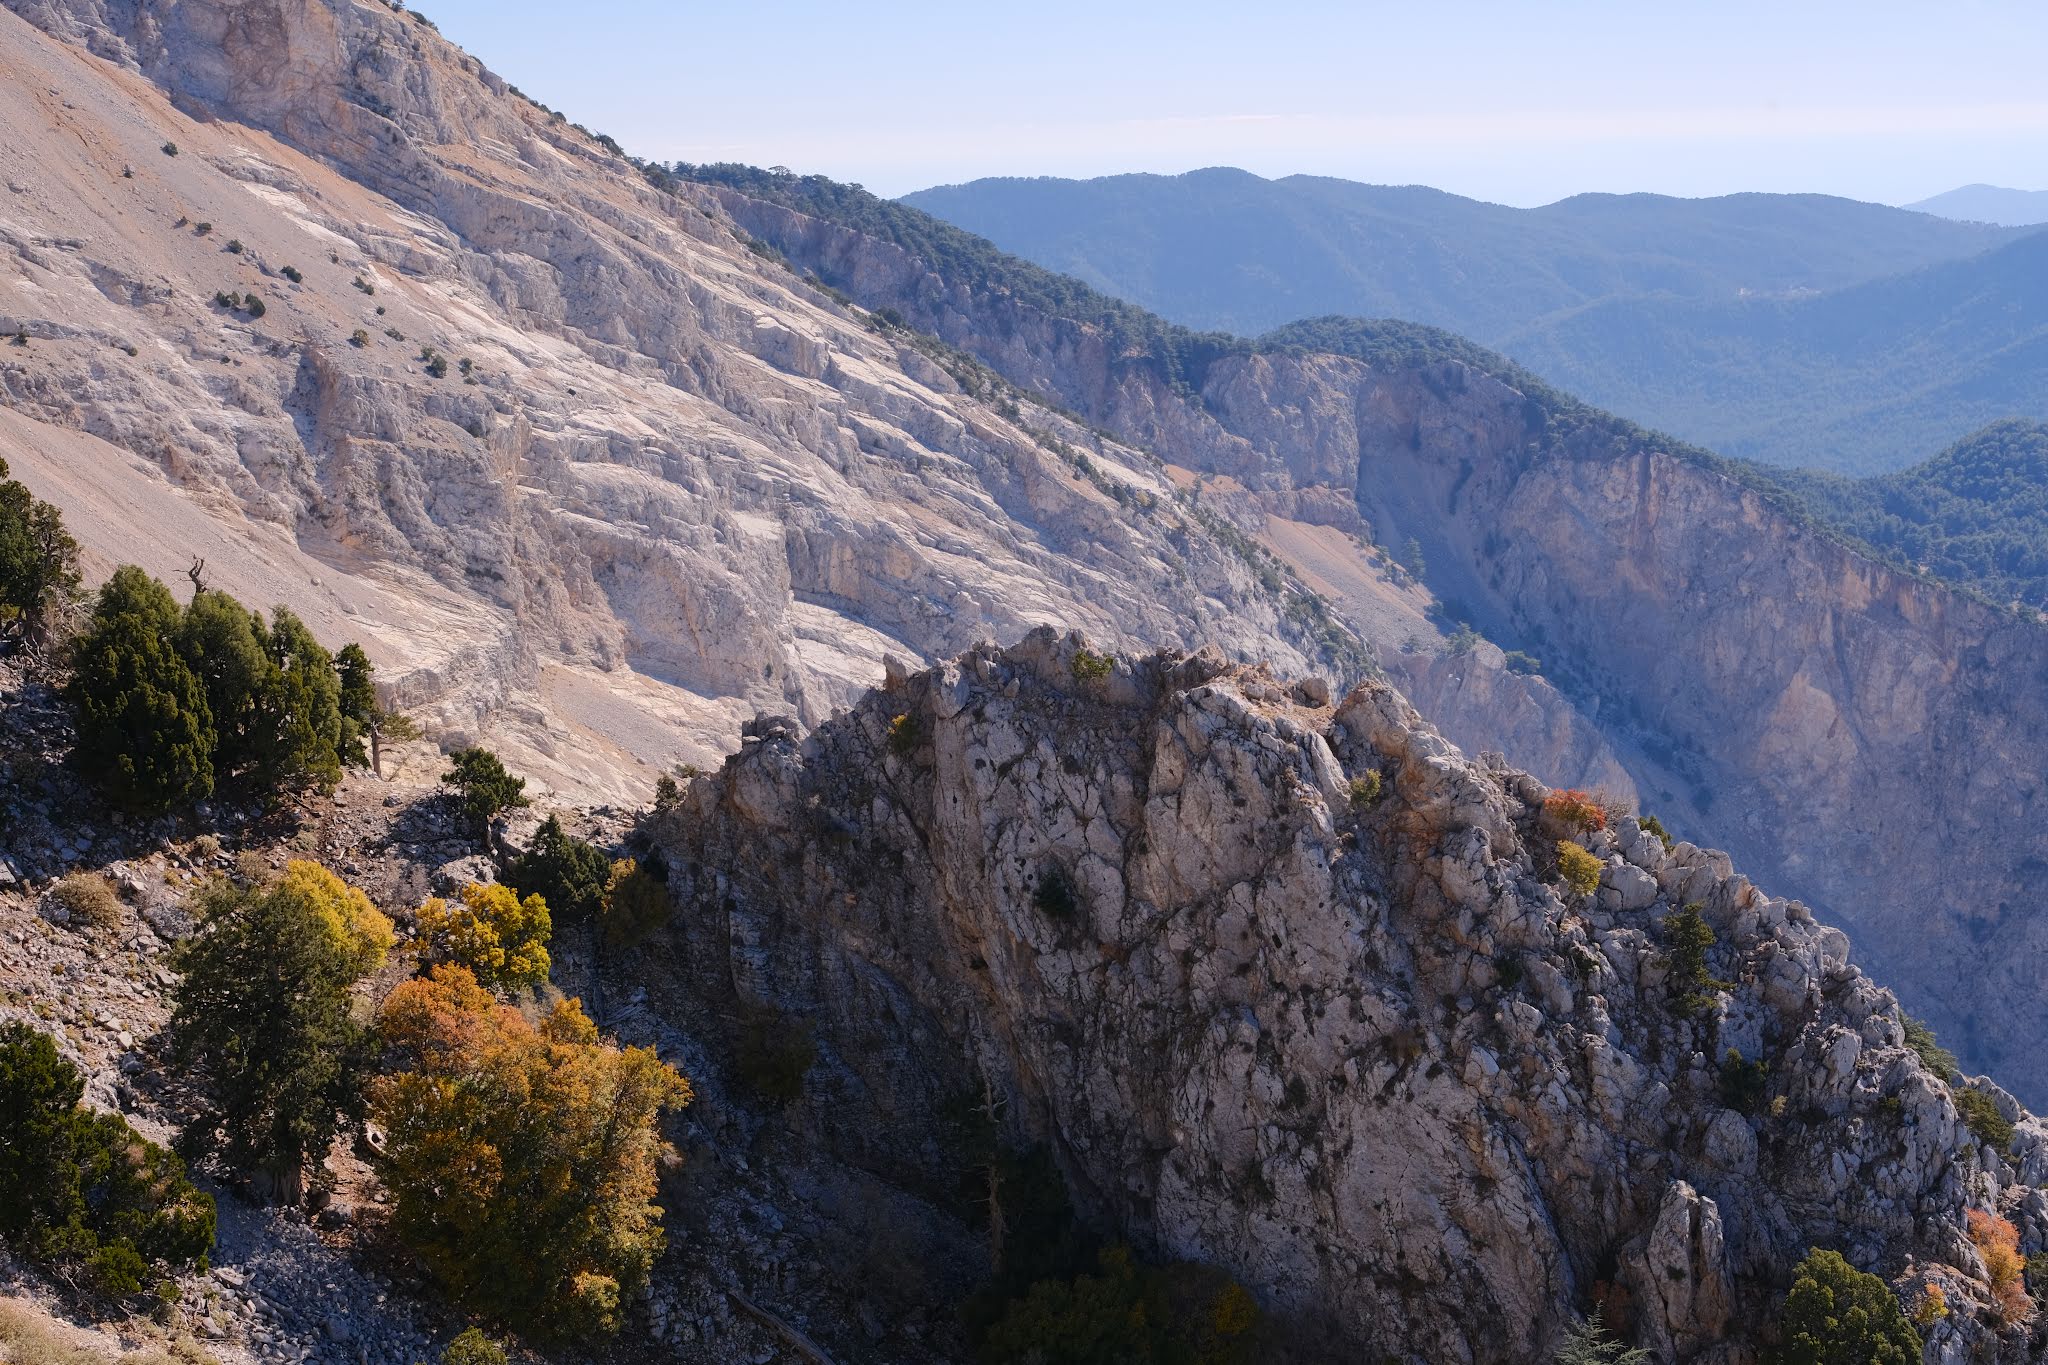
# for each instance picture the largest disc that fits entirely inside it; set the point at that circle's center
(1520, 103)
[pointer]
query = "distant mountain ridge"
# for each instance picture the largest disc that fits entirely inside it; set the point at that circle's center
(1790, 329)
(1988, 204)
(1227, 249)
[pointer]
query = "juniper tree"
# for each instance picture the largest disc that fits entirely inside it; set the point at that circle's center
(144, 730)
(264, 1005)
(38, 565)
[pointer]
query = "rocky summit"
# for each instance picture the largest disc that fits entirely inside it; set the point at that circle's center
(1290, 985)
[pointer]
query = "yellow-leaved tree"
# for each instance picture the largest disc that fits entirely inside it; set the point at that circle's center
(361, 933)
(522, 1157)
(500, 937)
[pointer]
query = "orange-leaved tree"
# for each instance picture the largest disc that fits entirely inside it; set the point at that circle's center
(1576, 810)
(1998, 1243)
(522, 1157)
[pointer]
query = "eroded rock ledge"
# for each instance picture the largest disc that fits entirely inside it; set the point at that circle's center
(1370, 1057)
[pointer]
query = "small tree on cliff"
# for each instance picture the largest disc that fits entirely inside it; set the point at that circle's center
(362, 717)
(484, 786)
(1590, 1343)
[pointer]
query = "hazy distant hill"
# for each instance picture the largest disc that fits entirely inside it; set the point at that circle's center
(1977, 513)
(1862, 380)
(1227, 249)
(1989, 204)
(1792, 329)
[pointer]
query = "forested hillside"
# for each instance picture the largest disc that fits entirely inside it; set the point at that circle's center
(1977, 513)
(1861, 381)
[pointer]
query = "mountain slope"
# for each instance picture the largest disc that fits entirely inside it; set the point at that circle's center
(705, 486)
(1771, 688)
(1989, 204)
(586, 474)
(1226, 249)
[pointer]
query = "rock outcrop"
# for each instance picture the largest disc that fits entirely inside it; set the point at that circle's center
(1367, 1054)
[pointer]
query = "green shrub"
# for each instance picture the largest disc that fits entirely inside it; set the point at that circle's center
(1932, 1054)
(1366, 789)
(359, 338)
(1090, 667)
(356, 700)
(1653, 825)
(636, 901)
(1744, 1083)
(85, 1192)
(234, 246)
(776, 1052)
(362, 715)
(1579, 868)
(906, 733)
(1990, 1126)
(1519, 661)
(1838, 1315)
(88, 898)
(144, 730)
(1692, 988)
(253, 306)
(298, 737)
(271, 691)
(1055, 896)
(473, 1348)
(1128, 1314)
(483, 787)
(292, 273)
(170, 149)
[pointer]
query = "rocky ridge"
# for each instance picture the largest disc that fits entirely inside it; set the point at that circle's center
(1369, 1057)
